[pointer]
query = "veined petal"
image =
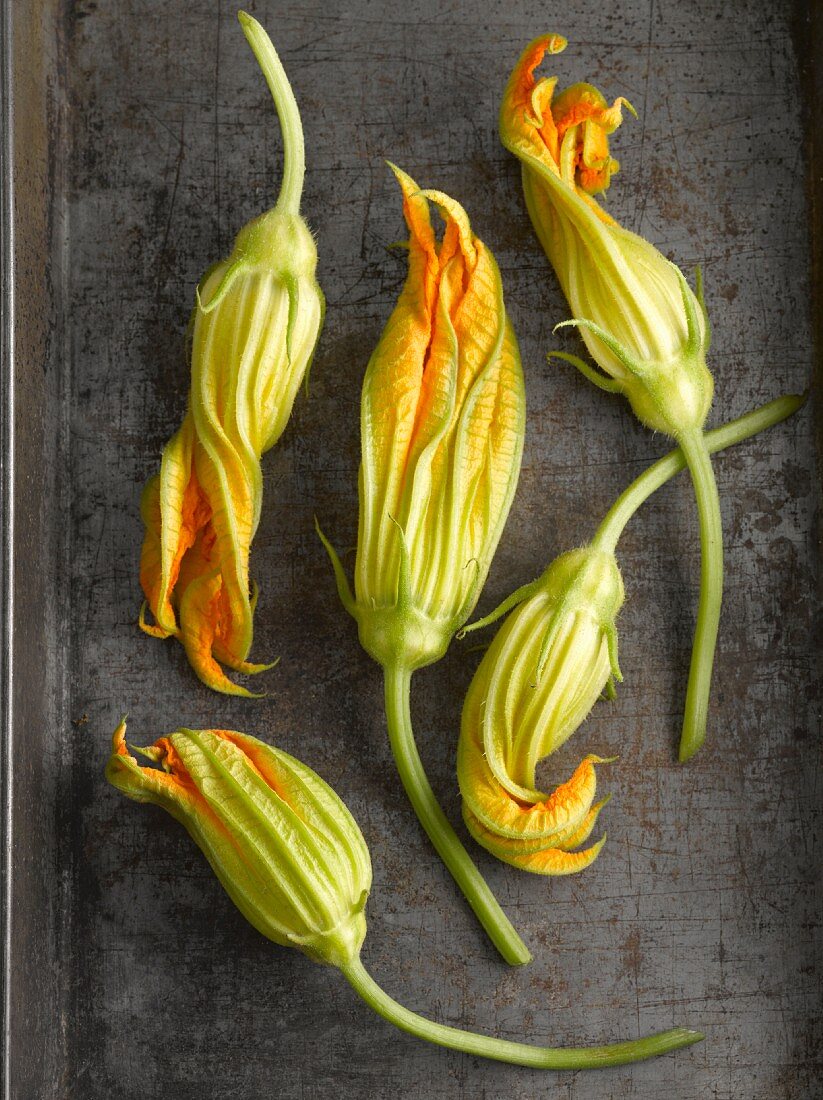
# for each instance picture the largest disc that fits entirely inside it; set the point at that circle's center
(546, 131)
(537, 681)
(528, 102)
(542, 816)
(202, 515)
(393, 392)
(281, 842)
(442, 431)
(173, 510)
(316, 804)
(171, 790)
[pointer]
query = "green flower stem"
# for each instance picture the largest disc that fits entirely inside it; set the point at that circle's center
(294, 157)
(503, 1050)
(437, 826)
(718, 439)
(694, 451)
(693, 446)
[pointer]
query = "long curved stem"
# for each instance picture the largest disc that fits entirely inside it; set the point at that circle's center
(610, 530)
(711, 594)
(503, 1050)
(294, 157)
(437, 826)
(718, 439)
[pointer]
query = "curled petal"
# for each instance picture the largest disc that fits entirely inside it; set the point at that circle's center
(201, 512)
(554, 816)
(640, 326)
(564, 135)
(542, 861)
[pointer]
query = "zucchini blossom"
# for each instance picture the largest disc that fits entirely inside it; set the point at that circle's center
(291, 857)
(282, 843)
(644, 327)
(549, 663)
(253, 334)
(542, 674)
(442, 422)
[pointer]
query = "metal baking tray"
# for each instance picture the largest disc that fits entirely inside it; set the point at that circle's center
(138, 137)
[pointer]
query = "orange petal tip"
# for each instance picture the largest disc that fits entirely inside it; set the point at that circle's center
(407, 184)
(118, 740)
(554, 43)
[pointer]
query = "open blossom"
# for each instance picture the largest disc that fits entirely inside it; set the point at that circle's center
(254, 330)
(442, 421)
(284, 846)
(547, 666)
(641, 323)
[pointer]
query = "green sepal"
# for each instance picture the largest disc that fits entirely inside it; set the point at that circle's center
(632, 365)
(520, 595)
(343, 587)
(231, 273)
(602, 381)
(610, 630)
(699, 294)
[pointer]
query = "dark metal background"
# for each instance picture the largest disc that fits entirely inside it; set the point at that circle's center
(143, 139)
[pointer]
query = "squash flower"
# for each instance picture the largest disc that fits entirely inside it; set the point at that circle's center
(642, 324)
(542, 674)
(292, 858)
(554, 656)
(283, 845)
(254, 330)
(442, 423)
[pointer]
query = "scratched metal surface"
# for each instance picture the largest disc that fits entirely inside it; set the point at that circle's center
(703, 908)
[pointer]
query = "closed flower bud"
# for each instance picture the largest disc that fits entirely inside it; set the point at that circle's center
(254, 330)
(641, 322)
(548, 664)
(442, 421)
(282, 843)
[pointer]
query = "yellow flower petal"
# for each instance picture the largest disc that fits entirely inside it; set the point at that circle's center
(442, 432)
(546, 861)
(539, 678)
